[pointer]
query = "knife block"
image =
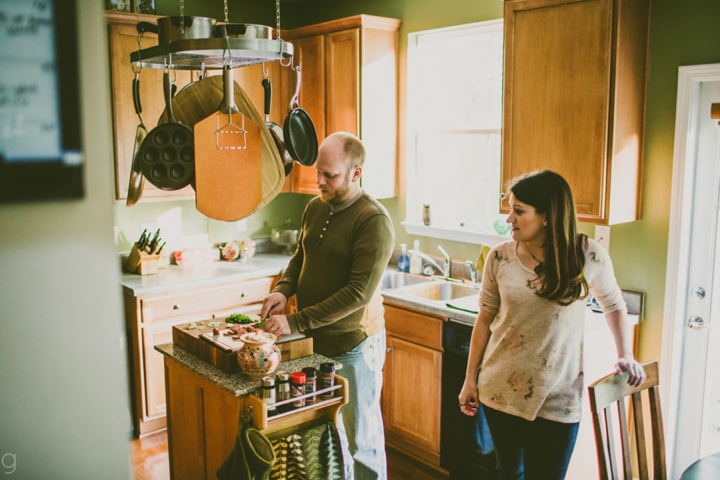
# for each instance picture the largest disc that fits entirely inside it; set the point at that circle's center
(141, 262)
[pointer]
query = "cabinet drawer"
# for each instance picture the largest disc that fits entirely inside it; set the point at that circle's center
(206, 301)
(414, 327)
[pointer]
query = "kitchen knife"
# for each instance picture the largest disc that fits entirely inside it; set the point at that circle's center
(154, 241)
(141, 241)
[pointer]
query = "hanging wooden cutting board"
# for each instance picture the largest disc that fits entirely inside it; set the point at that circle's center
(229, 186)
(228, 183)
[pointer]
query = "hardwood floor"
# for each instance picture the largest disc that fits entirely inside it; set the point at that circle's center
(150, 455)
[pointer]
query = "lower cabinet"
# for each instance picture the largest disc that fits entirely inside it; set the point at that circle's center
(412, 383)
(149, 320)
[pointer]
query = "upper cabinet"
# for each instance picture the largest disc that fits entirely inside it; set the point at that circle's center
(123, 40)
(350, 83)
(574, 99)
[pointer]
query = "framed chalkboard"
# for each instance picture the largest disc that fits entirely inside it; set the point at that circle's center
(41, 153)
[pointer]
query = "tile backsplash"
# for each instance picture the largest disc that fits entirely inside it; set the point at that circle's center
(183, 226)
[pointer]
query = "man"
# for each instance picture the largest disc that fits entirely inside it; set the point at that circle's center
(345, 243)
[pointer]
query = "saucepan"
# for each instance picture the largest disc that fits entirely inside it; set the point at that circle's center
(299, 131)
(169, 28)
(243, 30)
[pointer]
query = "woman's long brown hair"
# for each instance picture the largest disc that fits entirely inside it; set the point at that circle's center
(561, 274)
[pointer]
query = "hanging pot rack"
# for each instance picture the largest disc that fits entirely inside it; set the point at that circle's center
(213, 53)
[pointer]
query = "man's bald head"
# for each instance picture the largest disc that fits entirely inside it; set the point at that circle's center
(352, 147)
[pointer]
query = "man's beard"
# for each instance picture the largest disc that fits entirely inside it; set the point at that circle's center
(336, 196)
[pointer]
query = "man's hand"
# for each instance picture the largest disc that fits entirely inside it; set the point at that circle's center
(277, 325)
(273, 303)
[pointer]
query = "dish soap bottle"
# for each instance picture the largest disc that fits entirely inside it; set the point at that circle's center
(416, 260)
(403, 263)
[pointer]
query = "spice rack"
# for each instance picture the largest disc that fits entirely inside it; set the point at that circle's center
(323, 410)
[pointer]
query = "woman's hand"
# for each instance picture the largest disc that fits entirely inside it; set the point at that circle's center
(635, 370)
(469, 398)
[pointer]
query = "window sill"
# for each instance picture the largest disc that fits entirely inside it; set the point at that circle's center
(459, 234)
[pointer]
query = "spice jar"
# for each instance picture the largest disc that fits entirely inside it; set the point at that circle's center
(267, 393)
(310, 384)
(297, 388)
(327, 379)
(282, 389)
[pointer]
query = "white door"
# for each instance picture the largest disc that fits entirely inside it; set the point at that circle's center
(695, 415)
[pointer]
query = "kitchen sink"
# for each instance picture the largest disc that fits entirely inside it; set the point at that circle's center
(395, 280)
(439, 291)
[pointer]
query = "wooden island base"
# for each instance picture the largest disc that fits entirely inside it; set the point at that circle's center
(204, 418)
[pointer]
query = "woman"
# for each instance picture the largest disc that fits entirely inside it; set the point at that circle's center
(529, 331)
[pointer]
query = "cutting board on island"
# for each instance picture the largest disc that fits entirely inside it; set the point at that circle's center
(291, 346)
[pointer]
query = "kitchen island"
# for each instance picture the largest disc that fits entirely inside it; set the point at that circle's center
(205, 406)
(181, 294)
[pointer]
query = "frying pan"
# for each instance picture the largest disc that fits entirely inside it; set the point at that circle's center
(137, 181)
(299, 131)
(276, 130)
(167, 155)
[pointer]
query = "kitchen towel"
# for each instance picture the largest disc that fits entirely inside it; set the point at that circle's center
(312, 454)
(484, 250)
(251, 459)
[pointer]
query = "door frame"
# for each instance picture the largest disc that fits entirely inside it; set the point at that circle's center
(689, 80)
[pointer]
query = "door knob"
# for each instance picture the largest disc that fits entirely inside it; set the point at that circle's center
(699, 292)
(696, 322)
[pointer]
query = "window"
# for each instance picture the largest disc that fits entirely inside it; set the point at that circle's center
(454, 127)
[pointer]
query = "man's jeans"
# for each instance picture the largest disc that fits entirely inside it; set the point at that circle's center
(361, 428)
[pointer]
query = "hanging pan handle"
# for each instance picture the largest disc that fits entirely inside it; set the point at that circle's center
(167, 90)
(136, 97)
(267, 86)
(294, 100)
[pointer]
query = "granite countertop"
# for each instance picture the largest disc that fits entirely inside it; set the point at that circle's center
(236, 383)
(176, 277)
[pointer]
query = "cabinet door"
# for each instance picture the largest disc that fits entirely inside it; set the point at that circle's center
(310, 52)
(123, 41)
(575, 88)
(557, 94)
(154, 369)
(343, 69)
(411, 397)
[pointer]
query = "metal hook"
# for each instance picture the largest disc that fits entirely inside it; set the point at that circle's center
(282, 50)
(249, 416)
(264, 70)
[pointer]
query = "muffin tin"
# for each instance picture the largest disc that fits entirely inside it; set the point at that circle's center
(167, 156)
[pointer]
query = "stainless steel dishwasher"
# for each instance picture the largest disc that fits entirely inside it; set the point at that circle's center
(466, 449)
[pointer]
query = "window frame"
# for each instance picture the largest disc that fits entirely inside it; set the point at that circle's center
(413, 223)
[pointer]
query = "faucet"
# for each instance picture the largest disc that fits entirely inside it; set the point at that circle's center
(445, 269)
(473, 273)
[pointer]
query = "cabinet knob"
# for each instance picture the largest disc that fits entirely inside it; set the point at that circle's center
(242, 295)
(388, 350)
(176, 307)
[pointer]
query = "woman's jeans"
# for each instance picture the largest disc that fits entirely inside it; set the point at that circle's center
(531, 450)
(362, 424)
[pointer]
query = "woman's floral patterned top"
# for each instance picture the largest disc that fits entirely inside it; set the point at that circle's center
(532, 365)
